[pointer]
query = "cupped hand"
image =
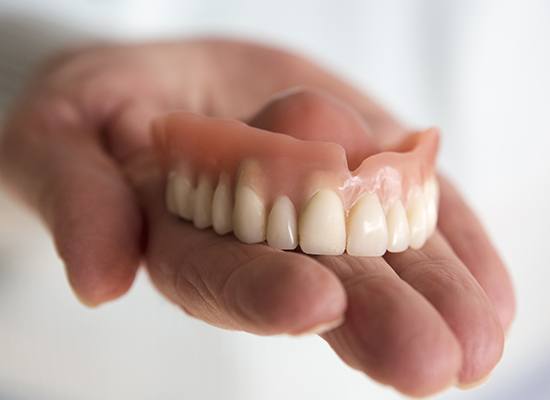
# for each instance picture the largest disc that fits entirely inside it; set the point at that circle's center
(76, 147)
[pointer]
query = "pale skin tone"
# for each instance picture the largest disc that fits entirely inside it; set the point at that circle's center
(76, 148)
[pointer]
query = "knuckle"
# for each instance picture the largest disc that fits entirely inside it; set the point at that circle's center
(301, 102)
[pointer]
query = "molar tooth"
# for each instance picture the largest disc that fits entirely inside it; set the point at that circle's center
(179, 195)
(416, 216)
(187, 205)
(222, 206)
(170, 195)
(431, 193)
(367, 230)
(202, 208)
(322, 226)
(398, 228)
(281, 225)
(248, 215)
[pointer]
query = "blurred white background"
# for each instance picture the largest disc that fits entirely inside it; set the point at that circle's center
(478, 69)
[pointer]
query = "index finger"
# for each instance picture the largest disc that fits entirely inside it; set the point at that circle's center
(470, 242)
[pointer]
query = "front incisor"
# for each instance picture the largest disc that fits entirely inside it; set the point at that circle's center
(282, 230)
(398, 228)
(367, 230)
(431, 194)
(416, 215)
(322, 226)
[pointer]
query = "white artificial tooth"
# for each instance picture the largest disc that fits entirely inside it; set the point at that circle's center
(431, 194)
(322, 226)
(222, 206)
(179, 195)
(367, 230)
(202, 208)
(416, 216)
(186, 206)
(398, 228)
(249, 217)
(282, 231)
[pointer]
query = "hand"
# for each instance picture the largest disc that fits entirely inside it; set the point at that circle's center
(419, 320)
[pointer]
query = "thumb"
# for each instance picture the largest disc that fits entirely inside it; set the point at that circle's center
(57, 165)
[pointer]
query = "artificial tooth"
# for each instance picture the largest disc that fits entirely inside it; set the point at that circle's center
(179, 195)
(282, 231)
(367, 230)
(431, 194)
(416, 216)
(222, 206)
(170, 195)
(249, 217)
(398, 228)
(322, 226)
(202, 210)
(187, 204)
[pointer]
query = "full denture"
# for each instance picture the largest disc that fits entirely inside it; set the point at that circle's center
(266, 186)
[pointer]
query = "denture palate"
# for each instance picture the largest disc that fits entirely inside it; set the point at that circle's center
(265, 186)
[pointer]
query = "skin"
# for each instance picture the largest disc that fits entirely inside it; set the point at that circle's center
(76, 149)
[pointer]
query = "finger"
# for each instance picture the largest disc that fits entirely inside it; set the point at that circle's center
(471, 244)
(436, 273)
(233, 285)
(391, 332)
(57, 166)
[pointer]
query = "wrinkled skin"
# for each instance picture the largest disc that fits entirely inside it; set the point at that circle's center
(76, 148)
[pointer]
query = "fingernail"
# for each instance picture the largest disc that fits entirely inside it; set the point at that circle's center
(322, 328)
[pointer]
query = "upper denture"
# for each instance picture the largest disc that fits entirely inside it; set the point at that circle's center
(240, 178)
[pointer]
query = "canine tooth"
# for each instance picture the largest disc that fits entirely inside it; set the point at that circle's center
(222, 206)
(202, 209)
(431, 193)
(398, 228)
(282, 231)
(248, 215)
(416, 216)
(322, 226)
(367, 230)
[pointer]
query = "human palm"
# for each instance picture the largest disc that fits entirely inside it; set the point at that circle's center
(77, 148)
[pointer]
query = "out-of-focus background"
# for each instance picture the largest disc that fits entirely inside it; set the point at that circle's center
(478, 69)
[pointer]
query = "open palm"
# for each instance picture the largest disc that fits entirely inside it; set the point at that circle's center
(77, 148)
